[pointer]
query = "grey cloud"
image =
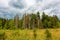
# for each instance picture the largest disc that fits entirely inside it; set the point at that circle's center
(50, 5)
(38, 1)
(17, 4)
(7, 13)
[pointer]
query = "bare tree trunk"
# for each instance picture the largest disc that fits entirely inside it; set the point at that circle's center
(38, 23)
(24, 23)
(33, 24)
(16, 20)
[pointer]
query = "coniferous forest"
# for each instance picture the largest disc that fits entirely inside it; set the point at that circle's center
(30, 21)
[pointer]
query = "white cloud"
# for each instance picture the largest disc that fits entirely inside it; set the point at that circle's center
(51, 7)
(4, 3)
(30, 2)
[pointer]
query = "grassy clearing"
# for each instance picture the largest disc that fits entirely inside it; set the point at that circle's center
(29, 34)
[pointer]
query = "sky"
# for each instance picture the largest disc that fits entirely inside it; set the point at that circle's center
(9, 8)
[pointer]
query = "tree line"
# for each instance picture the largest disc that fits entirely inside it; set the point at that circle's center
(30, 21)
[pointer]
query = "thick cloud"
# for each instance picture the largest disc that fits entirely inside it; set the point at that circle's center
(9, 12)
(17, 4)
(9, 8)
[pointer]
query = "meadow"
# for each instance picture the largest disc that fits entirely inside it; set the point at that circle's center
(38, 34)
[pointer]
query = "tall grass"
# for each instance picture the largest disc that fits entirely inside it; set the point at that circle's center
(41, 34)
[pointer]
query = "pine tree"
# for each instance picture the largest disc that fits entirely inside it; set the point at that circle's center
(3, 23)
(38, 20)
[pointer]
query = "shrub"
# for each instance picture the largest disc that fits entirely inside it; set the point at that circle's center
(48, 35)
(34, 33)
(2, 35)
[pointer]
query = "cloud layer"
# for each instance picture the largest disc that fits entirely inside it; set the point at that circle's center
(9, 8)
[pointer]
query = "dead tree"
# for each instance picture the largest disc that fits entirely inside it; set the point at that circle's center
(16, 21)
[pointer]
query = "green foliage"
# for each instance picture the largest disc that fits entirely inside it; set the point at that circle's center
(30, 21)
(48, 35)
(2, 35)
(34, 31)
(20, 24)
(49, 22)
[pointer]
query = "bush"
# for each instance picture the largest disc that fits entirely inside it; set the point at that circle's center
(48, 35)
(34, 33)
(2, 35)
